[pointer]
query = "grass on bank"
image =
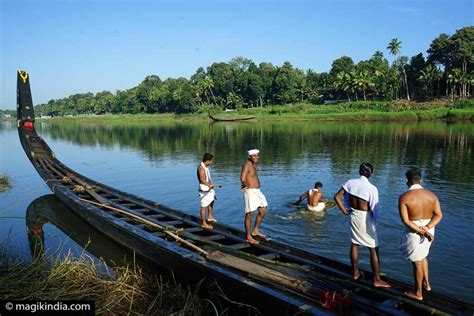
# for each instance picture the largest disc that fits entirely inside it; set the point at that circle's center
(400, 110)
(5, 183)
(122, 291)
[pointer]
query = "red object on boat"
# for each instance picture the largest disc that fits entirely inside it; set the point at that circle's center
(37, 229)
(28, 125)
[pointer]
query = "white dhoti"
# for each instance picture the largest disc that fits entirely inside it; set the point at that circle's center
(253, 199)
(413, 246)
(363, 230)
(206, 195)
(317, 208)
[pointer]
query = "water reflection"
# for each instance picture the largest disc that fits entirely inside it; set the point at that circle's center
(48, 210)
(445, 147)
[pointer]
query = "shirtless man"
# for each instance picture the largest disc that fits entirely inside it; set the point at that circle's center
(361, 204)
(207, 195)
(253, 197)
(316, 200)
(420, 212)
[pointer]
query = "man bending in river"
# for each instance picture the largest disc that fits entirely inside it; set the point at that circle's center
(316, 201)
(206, 191)
(420, 212)
(361, 203)
(253, 197)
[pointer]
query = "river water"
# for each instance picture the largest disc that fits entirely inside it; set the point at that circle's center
(158, 162)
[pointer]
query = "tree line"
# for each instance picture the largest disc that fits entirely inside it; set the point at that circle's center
(446, 71)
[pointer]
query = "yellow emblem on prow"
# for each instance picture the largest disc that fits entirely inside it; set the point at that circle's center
(23, 75)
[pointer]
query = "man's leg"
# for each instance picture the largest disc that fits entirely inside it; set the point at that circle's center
(210, 217)
(418, 274)
(354, 255)
(248, 219)
(426, 279)
(258, 221)
(375, 264)
(204, 224)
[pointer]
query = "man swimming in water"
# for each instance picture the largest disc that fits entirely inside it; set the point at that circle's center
(316, 201)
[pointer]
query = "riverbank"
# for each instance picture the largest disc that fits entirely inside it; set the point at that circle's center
(346, 111)
(118, 291)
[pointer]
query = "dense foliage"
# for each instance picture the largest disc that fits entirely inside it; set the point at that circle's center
(448, 70)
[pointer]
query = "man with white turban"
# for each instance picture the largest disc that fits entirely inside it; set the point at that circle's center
(253, 197)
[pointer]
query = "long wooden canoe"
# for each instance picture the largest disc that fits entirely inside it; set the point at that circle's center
(229, 119)
(274, 277)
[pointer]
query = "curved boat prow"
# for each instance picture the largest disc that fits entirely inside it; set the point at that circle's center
(24, 104)
(33, 145)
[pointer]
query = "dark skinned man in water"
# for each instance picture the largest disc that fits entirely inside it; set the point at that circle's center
(361, 204)
(420, 212)
(253, 197)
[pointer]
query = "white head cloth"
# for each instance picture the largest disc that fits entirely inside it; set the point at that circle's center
(253, 152)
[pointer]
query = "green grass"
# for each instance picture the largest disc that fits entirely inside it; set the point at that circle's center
(5, 183)
(346, 111)
(121, 291)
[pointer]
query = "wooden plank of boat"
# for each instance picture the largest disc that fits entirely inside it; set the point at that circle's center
(141, 231)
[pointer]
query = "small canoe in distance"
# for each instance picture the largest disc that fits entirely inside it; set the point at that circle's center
(276, 278)
(230, 119)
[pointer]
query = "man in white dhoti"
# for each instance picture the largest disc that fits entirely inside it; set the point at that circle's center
(361, 200)
(253, 197)
(420, 212)
(206, 191)
(316, 201)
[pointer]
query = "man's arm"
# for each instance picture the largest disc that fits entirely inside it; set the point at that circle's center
(202, 178)
(243, 176)
(302, 197)
(338, 198)
(437, 216)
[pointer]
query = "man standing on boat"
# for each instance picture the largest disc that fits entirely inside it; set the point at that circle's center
(361, 203)
(420, 212)
(253, 197)
(207, 195)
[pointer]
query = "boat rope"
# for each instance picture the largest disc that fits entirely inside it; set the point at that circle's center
(165, 230)
(18, 202)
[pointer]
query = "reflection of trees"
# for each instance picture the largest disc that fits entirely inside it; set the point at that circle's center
(445, 148)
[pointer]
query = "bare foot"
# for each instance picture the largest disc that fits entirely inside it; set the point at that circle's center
(427, 286)
(206, 226)
(258, 234)
(381, 283)
(413, 295)
(252, 241)
(212, 220)
(357, 276)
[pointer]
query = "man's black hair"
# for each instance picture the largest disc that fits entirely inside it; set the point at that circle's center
(366, 169)
(318, 185)
(413, 174)
(207, 156)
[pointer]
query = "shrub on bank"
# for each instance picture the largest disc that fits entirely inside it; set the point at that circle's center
(5, 183)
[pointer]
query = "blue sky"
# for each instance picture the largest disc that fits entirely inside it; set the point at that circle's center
(89, 46)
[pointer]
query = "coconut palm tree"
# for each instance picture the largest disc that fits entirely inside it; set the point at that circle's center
(428, 76)
(394, 47)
